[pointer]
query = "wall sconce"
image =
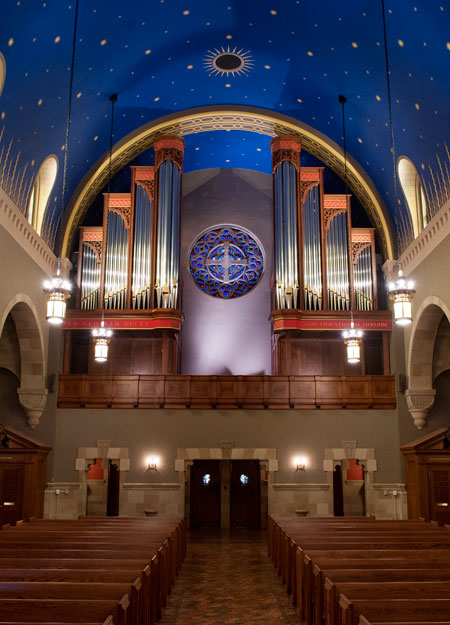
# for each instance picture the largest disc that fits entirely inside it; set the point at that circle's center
(300, 463)
(152, 463)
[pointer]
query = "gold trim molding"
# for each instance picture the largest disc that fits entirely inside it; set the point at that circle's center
(207, 119)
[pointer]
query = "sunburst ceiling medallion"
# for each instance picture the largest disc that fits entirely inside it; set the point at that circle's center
(226, 61)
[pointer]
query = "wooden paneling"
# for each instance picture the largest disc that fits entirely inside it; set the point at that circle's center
(22, 478)
(428, 476)
(128, 354)
(225, 392)
(325, 354)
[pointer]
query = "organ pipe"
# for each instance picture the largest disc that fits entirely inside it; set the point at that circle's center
(364, 275)
(89, 272)
(312, 265)
(286, 175)
(141, 277)
(117, 226)
(168, 164)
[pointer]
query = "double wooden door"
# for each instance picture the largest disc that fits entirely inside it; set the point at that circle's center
(245, 494)
(205, 494)
(208, 493)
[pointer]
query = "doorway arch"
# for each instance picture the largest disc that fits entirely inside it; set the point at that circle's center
(420, 394)
(32, 392)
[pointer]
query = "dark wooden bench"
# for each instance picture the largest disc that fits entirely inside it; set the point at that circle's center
(64, 611)
(394, 611)
(379, 590)
(368, 575)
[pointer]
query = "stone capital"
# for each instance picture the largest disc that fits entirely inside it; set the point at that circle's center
(33, 402)
(420, 402)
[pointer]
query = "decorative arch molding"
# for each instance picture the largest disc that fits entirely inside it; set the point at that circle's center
(420, 394)
(41, 191)
(207, 119)
(32, 392)
(2, 72)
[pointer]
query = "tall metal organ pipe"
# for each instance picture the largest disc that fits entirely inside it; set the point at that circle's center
(168, 162)
(90, 282)
(116, 262)
(286, 176)
(141, 279)
(338, 263)
(312, 264)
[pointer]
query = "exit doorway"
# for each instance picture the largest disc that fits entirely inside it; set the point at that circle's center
(225, 494)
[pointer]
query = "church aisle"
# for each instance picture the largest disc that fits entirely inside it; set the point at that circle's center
(227, 578)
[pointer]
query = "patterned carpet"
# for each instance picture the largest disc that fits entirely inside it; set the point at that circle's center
(227, 578)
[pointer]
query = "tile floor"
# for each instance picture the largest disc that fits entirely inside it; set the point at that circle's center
(227, 578)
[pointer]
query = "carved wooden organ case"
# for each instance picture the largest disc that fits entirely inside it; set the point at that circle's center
(322, 266)
(129, 268)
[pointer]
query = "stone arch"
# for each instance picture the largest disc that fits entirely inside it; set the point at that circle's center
(226, 117)
(32, 392)
(420, 394)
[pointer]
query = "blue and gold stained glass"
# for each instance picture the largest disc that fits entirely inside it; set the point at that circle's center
(226, 261)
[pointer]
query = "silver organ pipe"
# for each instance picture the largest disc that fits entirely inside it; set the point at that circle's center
(362, 271)
(168, 235)
(312, 265)
(141, 279)
(116, 262)
(286, 229)
(90, 278)
(337, 263)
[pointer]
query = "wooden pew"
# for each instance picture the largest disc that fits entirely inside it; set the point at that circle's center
(412, 553)
(367, 575)
(394, 611)
(161, 545)
(379, 590)
(64, 611)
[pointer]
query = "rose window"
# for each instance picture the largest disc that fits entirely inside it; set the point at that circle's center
(226, 261)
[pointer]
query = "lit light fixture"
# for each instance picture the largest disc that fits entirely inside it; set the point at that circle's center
(401, 293)
(58, 292)
(300, 463)
(352, 341)
(352, 337)
(102, 337)
(152, 463)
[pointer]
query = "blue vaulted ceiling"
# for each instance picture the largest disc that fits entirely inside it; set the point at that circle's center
(300, 54)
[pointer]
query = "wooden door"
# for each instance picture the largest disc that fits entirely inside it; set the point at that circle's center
(112, 501)
(11, 493)
(245, 495)
(205, 494)
(439, 489)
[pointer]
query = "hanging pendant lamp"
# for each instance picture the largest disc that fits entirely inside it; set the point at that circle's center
(352, 337)
(402, 291)
(102, 336)
(58, 290)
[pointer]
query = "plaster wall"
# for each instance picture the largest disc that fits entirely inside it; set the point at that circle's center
(291, 432)
(226, 336)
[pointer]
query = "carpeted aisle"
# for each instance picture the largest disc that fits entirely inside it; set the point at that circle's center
(228, 579)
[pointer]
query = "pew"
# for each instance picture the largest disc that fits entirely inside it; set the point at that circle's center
(394, 611)
(64, 610)
(131, 562)
(372, 557)
(379, 590)
(337, 545)
(335, 576)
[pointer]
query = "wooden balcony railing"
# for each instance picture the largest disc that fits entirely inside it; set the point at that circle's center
(226, 392)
